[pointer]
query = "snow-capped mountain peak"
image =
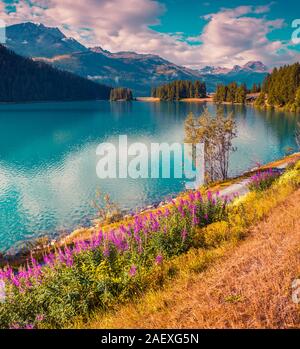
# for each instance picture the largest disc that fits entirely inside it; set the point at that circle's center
(251, 66)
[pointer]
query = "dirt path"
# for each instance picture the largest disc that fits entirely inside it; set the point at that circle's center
(249, 288)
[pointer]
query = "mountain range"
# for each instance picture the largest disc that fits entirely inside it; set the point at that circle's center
(250, 67)
(137, 71)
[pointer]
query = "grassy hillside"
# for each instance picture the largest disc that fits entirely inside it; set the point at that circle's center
(114, 267)
(248, 286)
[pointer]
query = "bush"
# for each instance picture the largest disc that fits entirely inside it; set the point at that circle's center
(263, 180)
(216, 233)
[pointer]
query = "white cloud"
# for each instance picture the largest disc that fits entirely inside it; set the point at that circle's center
(231, 36)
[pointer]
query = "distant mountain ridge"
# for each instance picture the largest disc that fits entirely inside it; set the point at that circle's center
(137, 71)
(251, 66)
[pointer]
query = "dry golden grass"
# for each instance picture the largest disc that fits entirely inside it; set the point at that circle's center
(249, 287)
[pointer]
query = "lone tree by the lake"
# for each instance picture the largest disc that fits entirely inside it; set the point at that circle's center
(217, 134)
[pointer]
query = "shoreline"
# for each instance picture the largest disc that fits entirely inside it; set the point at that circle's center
(84, 233)
(210, 100)
(188, 100)
(155, 99)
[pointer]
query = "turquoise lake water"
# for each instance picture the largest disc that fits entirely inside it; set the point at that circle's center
(48, 158)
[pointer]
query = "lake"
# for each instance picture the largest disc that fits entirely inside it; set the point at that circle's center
(48, 159)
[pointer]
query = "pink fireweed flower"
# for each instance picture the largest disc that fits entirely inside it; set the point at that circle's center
(69, 261)
(199, 196)
(195, 220)
(155, 225)
(77, 248)
(132, 271)
(136, 229)
(40, 317)
(37, 271)
(46, 260)
(29, 271)
(181, 211)
(16, 282)
(167, 212)
(137, 237)
(9, 272)
(209, 195)
(192, 197)
(49, 259)
(61, 256)
(123, 229)
(159, 259)
(33, 261)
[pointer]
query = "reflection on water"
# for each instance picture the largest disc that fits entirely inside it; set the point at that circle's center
(48, 157)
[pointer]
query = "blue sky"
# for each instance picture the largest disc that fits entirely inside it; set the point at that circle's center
(189, 32)
(190, 20)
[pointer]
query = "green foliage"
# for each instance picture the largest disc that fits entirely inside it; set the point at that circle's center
(297, 98)
(282, 87)
(261, 99)
(255, 88)
(179, 89)
(217, 134)
(121, 93)
(231, 93)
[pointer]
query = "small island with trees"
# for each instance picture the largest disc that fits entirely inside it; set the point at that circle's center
(179, 89)
(121, 94)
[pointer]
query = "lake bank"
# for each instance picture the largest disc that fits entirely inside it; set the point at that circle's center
(154, 99)
(241, 286)
(190, 100)
(230, 187)
(119, 267)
